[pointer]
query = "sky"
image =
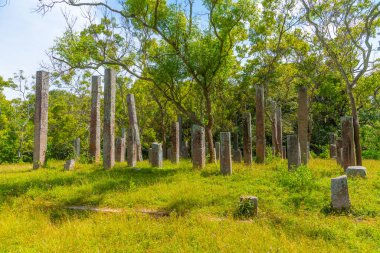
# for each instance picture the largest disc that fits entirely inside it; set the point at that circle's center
(25, 37)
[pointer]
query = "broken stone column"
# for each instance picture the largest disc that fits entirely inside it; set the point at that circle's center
(339, 154)
(156, 155)
(340, 199)
(348, 144)
(279, 130)
(175, 151)
(41, 119)
(198, 148)
(303, 123)
(131, 148)
(120, 150)
(225, 153)
(133, 123)
(293, 152)
(77, 148)
(247, 139)
(260, 124)
(95, 120)
(109, 119)
(217, 150)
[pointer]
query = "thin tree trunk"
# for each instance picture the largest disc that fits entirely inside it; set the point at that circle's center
(210, 124)
(355, 117)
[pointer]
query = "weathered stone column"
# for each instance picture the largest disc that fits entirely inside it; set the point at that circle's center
(95, 120)
(260, 124)
(225, 153)
(175, 151)
(109, 119)
(180, 133)
(340, 199)
(279, 130)
(131, 148)
(293, 152)
(120, 150)
(348, 144)
(150, 155)
(133, 123)
(332, 142)
(303, 123)
(156, 155)
(247, 139)
(275, 144)
(217, 150)
(339, 154)
(77, 148)
(41, 119)
(198, 148)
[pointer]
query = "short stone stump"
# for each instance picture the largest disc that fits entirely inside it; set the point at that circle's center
(340, 199)
(250, 204)
(70, 164)
(353, 171)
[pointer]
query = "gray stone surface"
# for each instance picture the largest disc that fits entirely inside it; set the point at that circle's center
(339, 152)
(169, 153)
(198, 148)
(41, 119)
(156, 155)
(77, 148)
(348, 144)
(185, 150)
(225, 153)
(120, 150)
(260, 124)
(332, 138)
(133, 123)
(217, 150)
(247, 138)
(180, 133)
(293, 152)
(237, 156)
(175, 151)
(279, 130)
(109, 119)
(353, 171)
(284, 152)
(340, 199)
(69, 165)
(303, 123)
(131, 148)
(150, 155)
(254, 203)
(95, 120)
(333, 151)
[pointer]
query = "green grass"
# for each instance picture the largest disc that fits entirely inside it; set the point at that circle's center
(294, 212)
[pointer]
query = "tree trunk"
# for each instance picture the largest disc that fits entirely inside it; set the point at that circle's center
(355, 117)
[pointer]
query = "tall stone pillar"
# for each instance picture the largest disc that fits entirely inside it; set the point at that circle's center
(279, 130)
(41, 119)
(134, 124)
(95, 120)
(260, 124)
(77, 148)
(131, 148)
(109, 119)
(120, 150)
(247, 139)
(180, 133)
(293, 152)
(198, 147)
(274, 128)
(175, 150)
(156, 155)
(339, 155)
(348, 144)
(217, 150)
(303, 123)
(225, 153)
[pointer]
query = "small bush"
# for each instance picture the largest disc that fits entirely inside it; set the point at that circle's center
(245, 210)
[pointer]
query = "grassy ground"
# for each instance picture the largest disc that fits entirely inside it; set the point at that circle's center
(294, 212)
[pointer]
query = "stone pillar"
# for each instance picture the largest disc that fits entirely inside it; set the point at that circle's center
(185, 149)
(247, 139)
(348, 144)
(150, 155)
(303, 123)
(293, 152)
(340, 199)
(180, 133)
(109, 119)
(156, 155)
(120, 150)
(333, 151)
(133, 123)
(251, 202)
(77, 148)
(225, 153)
(198, 148)
(279, 130)
(283, 152)
(169, 154)
(175, 151)
(95, 120)
(217, 150)
(332, 138)
(339, 155)
(41, 119)
(236, 156)
(131, 148)
(275, 144)
(260, 124)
